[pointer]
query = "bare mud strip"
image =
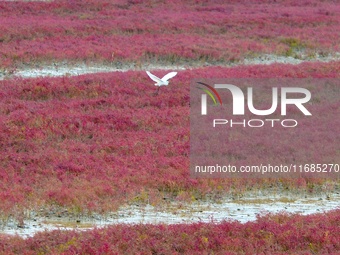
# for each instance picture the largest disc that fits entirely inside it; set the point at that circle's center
(243, 210)
(65, 69)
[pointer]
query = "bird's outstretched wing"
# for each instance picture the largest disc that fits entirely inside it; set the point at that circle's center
(169, 76)
(154, 78)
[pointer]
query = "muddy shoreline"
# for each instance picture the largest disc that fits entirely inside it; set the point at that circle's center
(242, 209)
(73, 69)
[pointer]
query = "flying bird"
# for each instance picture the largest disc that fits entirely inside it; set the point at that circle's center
(161, 82)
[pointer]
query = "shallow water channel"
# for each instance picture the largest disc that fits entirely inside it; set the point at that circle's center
(243, 210)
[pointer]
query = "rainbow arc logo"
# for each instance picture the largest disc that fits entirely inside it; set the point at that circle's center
(211, 92)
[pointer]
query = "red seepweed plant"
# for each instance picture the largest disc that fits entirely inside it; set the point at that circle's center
(93, 142)
(269, 234)
(171, 32)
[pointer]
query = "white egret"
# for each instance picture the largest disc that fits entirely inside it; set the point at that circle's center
(161, 82)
